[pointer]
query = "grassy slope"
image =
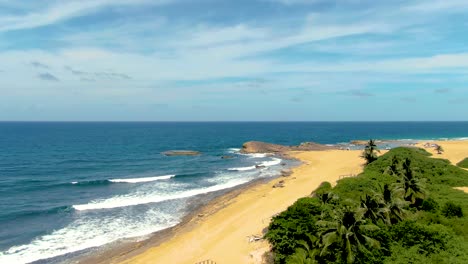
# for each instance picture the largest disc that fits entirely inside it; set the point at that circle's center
(440, 177)
(463, 163)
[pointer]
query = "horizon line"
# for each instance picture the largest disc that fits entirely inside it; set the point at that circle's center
(218, 121)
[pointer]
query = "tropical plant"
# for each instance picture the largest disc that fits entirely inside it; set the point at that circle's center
(347, 233)
(370, 152)
(411, 186)
(439, 149)
(374, 206)
(394, 204)
(394, 168)
(306, 252)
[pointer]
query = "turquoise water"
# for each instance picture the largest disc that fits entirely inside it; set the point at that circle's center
(67, 187)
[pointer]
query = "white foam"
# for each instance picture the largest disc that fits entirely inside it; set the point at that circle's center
(146, 179)
(242, 168)
(234, 150)
(273, 162)
(257, 155)
(87, 232)
(145, 198)
(75, 182)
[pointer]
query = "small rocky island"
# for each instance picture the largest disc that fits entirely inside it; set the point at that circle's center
(181, 153)
(263, 147)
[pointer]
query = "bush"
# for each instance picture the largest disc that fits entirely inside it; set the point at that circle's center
(430, 205)
(451, 209)
(293, 225)
(428, 238)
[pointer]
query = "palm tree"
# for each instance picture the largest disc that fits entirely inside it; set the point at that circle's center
(375, 207)
(394, 204)
(326, 197)
(306, 252)
(302, 256)
(394, 168)
(411, 186)
(370, 152)
(347, 233)
(439, 149)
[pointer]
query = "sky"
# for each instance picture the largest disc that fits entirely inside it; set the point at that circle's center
(243, 60)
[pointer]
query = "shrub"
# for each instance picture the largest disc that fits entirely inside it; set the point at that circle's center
(293, 225)
(451, 209)
(430, 205)
(428, 238)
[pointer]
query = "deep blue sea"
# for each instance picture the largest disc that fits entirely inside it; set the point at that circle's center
(67, 187)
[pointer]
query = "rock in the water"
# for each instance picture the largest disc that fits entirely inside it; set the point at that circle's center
(227, 157)
(286, 173)
(279, 184)
(262, 147)
(259, 166)
(181, 153)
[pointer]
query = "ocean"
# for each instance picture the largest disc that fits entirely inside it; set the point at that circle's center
(67, 187)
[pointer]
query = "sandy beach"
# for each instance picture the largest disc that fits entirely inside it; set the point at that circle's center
(224, 236)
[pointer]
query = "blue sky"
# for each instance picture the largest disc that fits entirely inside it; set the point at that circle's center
(215, 60)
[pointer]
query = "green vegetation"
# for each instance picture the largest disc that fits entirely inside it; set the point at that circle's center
(463, 163)
(401, 209)
(439, 149)
(370, 152)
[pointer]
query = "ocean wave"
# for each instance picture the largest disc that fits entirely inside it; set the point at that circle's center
(273, 162)
(234, 150)
(91, 183)
(137, 199)
(33, 213)
(89, 232)
(242, 168)
(257, 155)
(129, 180)
(145, 179)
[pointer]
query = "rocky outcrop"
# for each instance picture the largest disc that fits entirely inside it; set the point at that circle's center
(286, 173)
(181, 153)
(263, 147)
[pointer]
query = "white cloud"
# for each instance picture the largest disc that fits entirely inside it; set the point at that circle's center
(63, 11)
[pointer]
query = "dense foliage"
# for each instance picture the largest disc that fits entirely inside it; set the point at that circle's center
(401, 209)
(463, 163)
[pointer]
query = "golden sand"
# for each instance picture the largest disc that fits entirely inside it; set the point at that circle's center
(465, 189)
(454, 151)
(223, 236)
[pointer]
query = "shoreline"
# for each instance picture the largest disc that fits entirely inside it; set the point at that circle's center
(165, 241)
(120, 253)
(212, 236)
